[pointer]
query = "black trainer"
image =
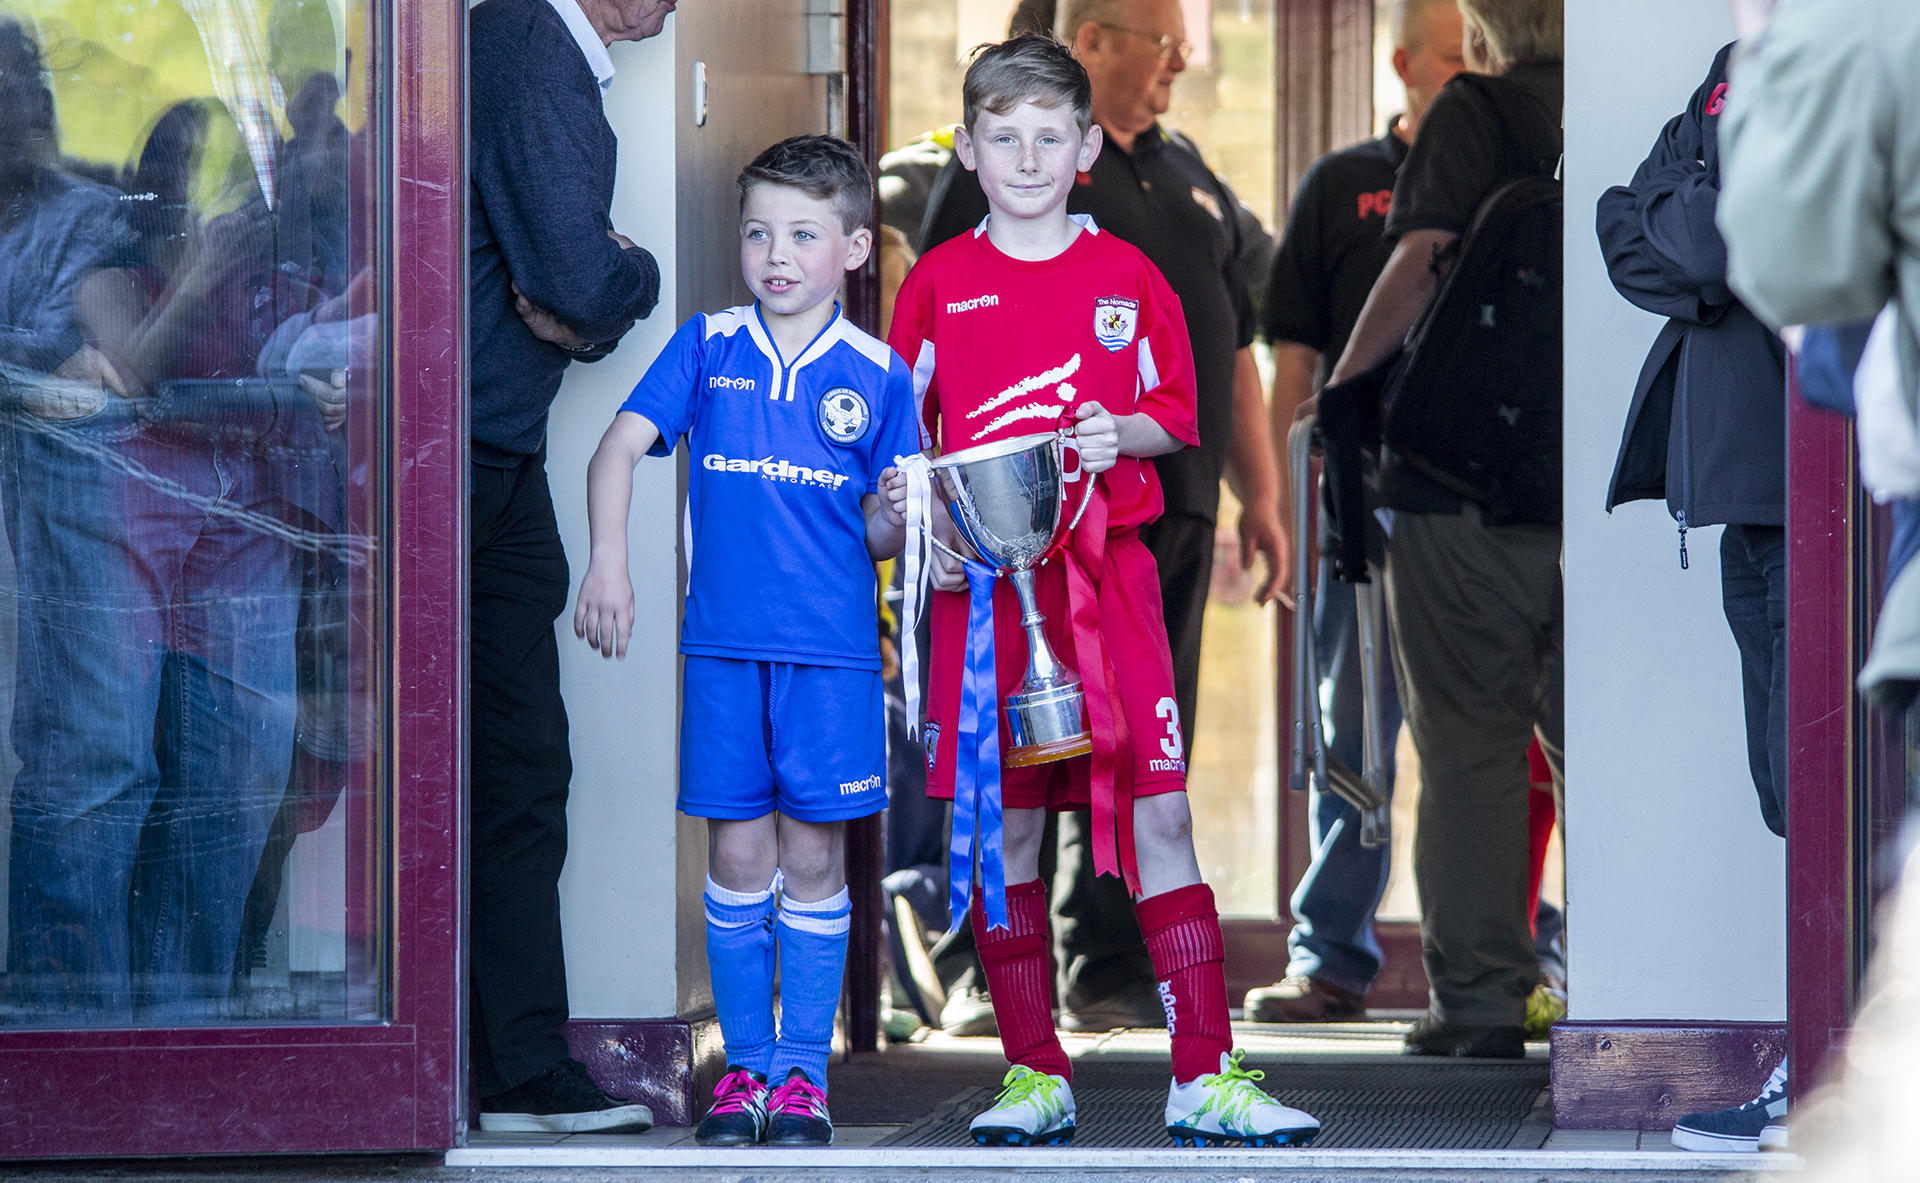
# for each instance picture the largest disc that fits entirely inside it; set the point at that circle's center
(797, 1113)
(562, 1100)
(739, 1113)
(1743, 1127)
(1432, 1037)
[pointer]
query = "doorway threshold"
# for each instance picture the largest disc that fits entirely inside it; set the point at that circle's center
(907, 1110)
(1053, 1160)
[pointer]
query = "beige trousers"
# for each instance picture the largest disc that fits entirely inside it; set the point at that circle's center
(1479, 648)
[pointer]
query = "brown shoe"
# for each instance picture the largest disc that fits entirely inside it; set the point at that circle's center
(1301, 999)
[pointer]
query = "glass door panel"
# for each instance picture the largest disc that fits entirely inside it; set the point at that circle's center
(191, 596)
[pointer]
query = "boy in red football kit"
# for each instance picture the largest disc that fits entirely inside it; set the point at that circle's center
(1033, 321)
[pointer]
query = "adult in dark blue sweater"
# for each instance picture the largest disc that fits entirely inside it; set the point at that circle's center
(1708, 427)
(551, 283)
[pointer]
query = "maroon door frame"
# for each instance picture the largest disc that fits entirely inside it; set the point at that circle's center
(1822, 860)
(394, 1085)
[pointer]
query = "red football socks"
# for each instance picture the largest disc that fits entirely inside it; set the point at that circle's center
(1183, 938)
(1018, 962)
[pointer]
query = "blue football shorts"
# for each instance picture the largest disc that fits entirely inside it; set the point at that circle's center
(758, 736)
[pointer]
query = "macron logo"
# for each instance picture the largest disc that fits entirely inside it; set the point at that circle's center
(775, 470)
(719, 383)
(976, 302)
(853, 788)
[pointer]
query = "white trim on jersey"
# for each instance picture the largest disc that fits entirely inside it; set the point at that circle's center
(1149, 373)
(865, 344)
(728, 321)
(1084, 221)
(686, 538)
(923, 370)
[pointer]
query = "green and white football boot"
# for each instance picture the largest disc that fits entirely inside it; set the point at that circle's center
(1033, 1109)
(1228, 1108)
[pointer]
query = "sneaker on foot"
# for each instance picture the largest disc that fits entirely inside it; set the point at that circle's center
(969, 1011)
(1546, 1006)
(1433, 1037)
(1738, 1129)
(1775, 1137)
(739, 1113)
(562, 1100)
(1033, 1109)
(1228, 1108)
(1298, 998)
(797, 1114)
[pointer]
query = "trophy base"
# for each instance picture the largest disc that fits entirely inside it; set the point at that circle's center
(1045, 723)
(1047, 753)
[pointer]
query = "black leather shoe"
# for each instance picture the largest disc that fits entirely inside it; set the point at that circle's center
(1431, 1037)
(562, 1100)
(1129, 1009)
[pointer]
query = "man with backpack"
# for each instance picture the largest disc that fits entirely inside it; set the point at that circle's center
(1470, 477)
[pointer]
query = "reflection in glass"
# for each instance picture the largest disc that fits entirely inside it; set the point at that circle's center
(189, 609)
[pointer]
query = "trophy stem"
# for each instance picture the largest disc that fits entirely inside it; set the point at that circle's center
(1042, 666)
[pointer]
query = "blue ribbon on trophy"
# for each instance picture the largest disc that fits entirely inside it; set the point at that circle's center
(976, 765)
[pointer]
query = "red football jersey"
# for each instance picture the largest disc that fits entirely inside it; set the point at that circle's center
(1001, 347)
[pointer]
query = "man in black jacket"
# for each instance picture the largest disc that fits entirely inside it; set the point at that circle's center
(551, 282)
(1708, 432)
(1708, 426)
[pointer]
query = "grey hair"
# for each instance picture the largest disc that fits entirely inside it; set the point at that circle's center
(1405, 23)
(1519, 31)
(1075, 13)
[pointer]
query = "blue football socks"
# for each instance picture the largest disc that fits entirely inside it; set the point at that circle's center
(740, 950)
(813, 957)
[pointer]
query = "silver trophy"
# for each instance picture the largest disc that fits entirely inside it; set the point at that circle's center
(1005, 498)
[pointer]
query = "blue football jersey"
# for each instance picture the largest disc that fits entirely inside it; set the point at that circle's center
(781, 454)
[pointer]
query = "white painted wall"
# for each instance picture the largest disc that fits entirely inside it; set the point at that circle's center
(630, 895)
(617, 892)
(1676, 891)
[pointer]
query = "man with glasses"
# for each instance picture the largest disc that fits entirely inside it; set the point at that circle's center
(1150, 188)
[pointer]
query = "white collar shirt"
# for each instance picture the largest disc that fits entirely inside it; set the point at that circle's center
(598, 59)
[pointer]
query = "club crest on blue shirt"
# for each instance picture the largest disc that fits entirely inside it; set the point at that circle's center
(844, 415)
(1114, 318)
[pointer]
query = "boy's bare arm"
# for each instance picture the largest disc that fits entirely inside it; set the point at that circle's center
(1105, 437)
(604, 616)
(886, 519)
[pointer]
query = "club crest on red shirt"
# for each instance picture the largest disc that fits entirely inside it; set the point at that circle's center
(1114, 320)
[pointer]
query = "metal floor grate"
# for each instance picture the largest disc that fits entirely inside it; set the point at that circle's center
(1400, 1104)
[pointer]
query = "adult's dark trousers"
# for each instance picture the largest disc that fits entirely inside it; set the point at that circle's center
(1479, 651)
(1753, 591)
(1096, 937)
(520, 771)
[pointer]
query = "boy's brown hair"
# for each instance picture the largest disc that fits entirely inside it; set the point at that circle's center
(824, 168)
(1032, 67)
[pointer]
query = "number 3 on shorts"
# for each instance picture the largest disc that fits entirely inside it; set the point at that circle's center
(1170, 743)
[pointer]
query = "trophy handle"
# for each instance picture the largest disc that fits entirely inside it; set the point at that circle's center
(1086, 497)
(953, 554)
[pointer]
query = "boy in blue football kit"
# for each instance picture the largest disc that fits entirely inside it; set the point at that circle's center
(793, 418)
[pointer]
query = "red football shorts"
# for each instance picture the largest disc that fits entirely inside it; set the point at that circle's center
(1154, 750)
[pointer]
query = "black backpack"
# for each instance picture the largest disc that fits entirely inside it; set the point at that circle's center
(1474, 403)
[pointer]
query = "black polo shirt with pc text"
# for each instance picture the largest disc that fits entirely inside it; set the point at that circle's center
(1333, 249)
(1162, 198)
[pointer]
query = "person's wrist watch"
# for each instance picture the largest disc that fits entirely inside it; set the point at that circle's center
(589, 347)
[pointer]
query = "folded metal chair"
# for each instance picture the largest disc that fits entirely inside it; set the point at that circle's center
(1366, 791)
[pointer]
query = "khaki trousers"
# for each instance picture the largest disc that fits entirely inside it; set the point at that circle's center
(1479, 649)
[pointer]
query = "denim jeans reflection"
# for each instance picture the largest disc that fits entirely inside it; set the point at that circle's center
(154, 716)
